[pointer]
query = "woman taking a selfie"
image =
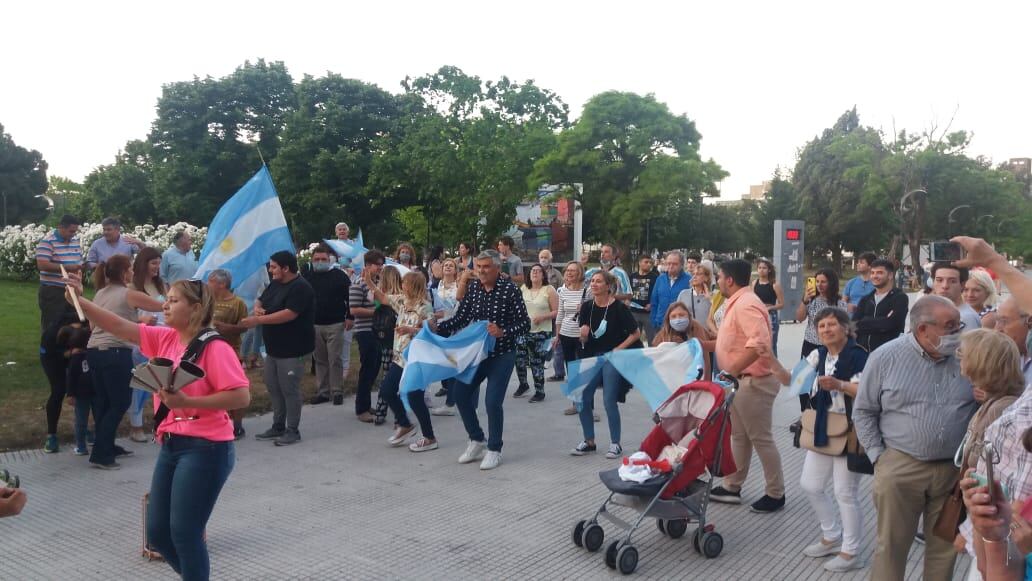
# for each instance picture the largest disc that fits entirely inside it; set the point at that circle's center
(196, 435)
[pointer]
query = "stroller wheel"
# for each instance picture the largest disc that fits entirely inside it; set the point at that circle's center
(661, 526)
(712, 545)
(627, 559)
(696, 536)
(593, 537)
(611, 552)
(578, 532)
(676, 528)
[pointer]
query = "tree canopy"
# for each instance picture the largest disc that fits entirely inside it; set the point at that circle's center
(23, 176)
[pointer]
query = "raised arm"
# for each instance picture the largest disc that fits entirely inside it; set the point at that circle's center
(101, 317)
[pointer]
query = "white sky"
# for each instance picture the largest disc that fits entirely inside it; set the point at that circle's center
(759, 79)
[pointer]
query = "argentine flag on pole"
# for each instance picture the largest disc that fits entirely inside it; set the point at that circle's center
(657, 372)
(430, 357)
(580, 373)
(248, 229)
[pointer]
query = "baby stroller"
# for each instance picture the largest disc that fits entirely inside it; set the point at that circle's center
(697, 420)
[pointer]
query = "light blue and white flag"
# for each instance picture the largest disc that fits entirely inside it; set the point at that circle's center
(402, 270)
(430, 357)
(247, 230)
(803, 376)
(657, 372)
(580, 373)
(350, 253)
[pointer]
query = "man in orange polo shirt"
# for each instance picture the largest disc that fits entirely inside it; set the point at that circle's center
(746, 329)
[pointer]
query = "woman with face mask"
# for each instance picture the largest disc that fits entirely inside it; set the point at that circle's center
(405, 255)
(678, 327)
(606, 324)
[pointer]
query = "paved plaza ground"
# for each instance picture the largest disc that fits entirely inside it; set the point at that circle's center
(343, 505)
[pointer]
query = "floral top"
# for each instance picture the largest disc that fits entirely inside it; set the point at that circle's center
(408, 316)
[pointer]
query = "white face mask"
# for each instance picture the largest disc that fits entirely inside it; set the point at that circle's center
(545, 262)
(680, 324)
(948, 344)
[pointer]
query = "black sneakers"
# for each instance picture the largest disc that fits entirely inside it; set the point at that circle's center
(538, 396)
(521, 391)
(721, 494)
(768, 504)
(338, 399)
(319, 399)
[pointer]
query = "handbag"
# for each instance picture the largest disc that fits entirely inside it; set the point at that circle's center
(952, 514)
(839, 427)
(856, 457)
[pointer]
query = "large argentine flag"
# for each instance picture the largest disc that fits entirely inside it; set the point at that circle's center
(657, 372)
(579, 374)
(248, 229)
(430, 357)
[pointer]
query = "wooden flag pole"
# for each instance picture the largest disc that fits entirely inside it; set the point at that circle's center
(75, 298)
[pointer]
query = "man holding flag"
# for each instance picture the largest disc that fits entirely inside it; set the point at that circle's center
(496, 300)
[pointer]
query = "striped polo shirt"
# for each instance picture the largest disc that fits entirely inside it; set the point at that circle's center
(54, 248)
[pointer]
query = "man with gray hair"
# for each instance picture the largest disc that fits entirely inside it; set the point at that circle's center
(911, 413)
(229, 309)
(667, 286)
(1013, 321)
(494, 299)
(111, 243)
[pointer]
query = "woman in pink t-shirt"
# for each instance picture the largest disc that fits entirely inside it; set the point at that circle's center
(197, 434)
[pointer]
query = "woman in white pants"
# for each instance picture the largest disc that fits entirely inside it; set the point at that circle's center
(839, 361)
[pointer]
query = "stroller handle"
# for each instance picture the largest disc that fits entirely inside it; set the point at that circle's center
(725, 376)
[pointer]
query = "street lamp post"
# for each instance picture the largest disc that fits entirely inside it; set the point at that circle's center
(950, 220)
(982, 217)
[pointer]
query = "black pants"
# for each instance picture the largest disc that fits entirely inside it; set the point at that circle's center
(369, 356)
(804, 398)
(422, 413)
(54, 367)
(571, 346)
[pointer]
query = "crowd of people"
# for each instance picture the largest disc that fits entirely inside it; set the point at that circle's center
(921, 411)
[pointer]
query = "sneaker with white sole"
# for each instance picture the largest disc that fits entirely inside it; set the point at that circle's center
(474, 451)
(721, 494)
(822, 549)
(491, 460)
(615, 451)
(423, 445)
(582, 449)
(443, 410)
(400, 435)
(838, 564)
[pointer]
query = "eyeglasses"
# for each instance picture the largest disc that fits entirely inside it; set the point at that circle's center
(198, 285)
(951, 328)
(1004, 321)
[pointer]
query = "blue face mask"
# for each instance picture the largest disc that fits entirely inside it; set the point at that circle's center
(601, 329)
(321, 266)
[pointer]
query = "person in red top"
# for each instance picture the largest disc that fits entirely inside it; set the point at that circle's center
(196, 436)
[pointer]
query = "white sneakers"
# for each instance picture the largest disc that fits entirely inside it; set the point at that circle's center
(423, 445)
(820, 549)
(615, 451)
(400, 435)
(838, 564)
(491, 460)
(443, 410)
(474, 451)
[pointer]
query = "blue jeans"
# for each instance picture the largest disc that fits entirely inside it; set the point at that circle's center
(496, 370)
(188, 477)
(389, 392)
(775, 326)
(610, 379)
(110, 369)
(252, 342)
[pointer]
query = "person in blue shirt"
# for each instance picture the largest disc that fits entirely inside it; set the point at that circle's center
(179, 262)
(860, 285)
(668, 285)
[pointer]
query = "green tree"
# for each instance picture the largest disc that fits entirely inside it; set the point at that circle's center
(637, 161)
(23, 176)
(123, 189)
(839, 188)
(329, 143)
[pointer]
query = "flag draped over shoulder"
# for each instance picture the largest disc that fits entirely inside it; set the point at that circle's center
(430, 357)
(655, 372)
(246, 231)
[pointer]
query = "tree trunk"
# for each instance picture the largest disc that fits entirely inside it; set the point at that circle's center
(895, 247)
(836, 257)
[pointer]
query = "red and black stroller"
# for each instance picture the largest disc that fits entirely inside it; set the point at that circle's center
(690, 446)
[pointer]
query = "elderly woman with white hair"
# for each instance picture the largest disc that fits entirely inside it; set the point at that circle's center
(980, 294)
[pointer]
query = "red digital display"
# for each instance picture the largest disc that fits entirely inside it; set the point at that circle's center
(792, 234)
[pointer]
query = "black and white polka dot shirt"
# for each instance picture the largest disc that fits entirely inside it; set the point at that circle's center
(503, 306)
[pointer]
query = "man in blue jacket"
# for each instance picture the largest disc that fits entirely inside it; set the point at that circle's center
(668, 285)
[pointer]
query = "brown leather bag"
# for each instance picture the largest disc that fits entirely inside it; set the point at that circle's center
(952, 514)
(839, 428)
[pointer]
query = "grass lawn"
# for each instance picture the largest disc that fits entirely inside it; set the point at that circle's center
(24, 388)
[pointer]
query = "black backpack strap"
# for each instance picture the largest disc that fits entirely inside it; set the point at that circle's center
(192, 354)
